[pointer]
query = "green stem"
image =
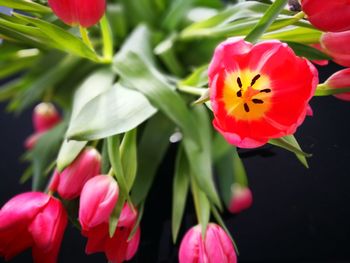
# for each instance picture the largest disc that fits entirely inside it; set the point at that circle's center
(191, 90)
(85, 36)
(107, 39)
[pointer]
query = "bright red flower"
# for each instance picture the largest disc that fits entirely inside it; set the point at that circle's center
(337, 46)
(339, 80)
(34, 220)
(216, 247)
(241, 199)
(260, 91)
(328, 15)
(70, 182)
(79, 12)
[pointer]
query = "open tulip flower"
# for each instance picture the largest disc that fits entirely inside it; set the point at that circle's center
(34, 220)
(85, 13)
(333, 16)
(216, 246)
(259, 91)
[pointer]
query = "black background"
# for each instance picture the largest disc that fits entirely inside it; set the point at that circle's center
(298, 215)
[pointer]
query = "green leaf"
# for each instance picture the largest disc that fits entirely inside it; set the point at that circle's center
(267, 19)
(115, 111)
(325, 90)
(64, 40)
(128, 155)
(8, 68)
(117, 17)
(180, 191)
(307, 51)
(105, 166)
(198, 78)
(200, 159)
(27, 6)
(289, 143)
(138, 221)
(151, 150)
(226, 178)
(44, 153)
(295, 34)
(175, 14)
(114, 218)
(68, 152)
(220, 147)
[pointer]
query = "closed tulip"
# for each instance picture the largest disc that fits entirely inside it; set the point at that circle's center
(216, 246)
(45, 117)
(85, 13)
(97, 201)
(339, 80)
(336, 45)
(241, 199)
(328, 15)
(34, 220)
(70, 182)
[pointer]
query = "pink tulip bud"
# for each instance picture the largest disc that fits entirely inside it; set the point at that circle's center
(45, 117)
(118, 248)
(97, 201)
(328, 15)
(69, 183)
(216, 246)
(30, 142)
(241, 199)
(336, 45)
(34, 220)
(79, 12)
(339, 80)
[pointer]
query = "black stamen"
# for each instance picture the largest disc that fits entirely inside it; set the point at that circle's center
(239, 93)
(255, 79)
(246, 107)
(266, 90)
(239, 82)
(257, 101)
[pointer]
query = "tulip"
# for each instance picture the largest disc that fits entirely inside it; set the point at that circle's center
(339, 80)
(97, 201)
(328, 15)
(241, 199)
(45, 117)
(337, 46)
(69, 183)
(117, 248)
(216, 246)
(259, 92)
(85, 13)
(34, 220)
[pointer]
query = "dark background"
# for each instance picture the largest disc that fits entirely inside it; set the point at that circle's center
(298, 215)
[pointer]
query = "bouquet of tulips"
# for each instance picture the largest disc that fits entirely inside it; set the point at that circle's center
(115, 82)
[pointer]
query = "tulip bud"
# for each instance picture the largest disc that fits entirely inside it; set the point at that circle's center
(333, 16)
(97, 201)
(69, 183)
(34, 220)
(30, 142)
(241, 199)
(45, 117)
(85, 13)
(337, 46)
(339, 80)
(216, 246)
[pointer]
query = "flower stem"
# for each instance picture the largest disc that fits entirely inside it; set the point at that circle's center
(85, 36)
(107, 39)
(191, 90)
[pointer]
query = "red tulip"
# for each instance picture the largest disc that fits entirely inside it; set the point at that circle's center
(34, 220)
(259, 92)
(216, 247)
(339, 80)
(69, 183)
(117, 248)
(328, 15)
(85, 13)
(241, 199)
(337, 46)
(97, 201)
(45, 117)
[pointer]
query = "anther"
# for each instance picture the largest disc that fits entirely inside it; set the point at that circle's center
(239, 93)
(266, 90)
(255, 79)
(257, 101)
(239, 82)
(246, 107)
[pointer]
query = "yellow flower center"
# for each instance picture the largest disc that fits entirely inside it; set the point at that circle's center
(247, 95)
